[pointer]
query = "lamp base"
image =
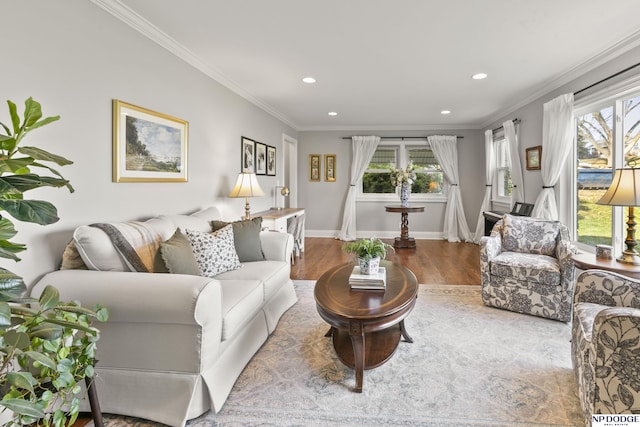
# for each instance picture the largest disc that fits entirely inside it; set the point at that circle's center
(629, 257)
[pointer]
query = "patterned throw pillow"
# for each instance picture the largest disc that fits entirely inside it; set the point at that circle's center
(215, 253)
(530, 235)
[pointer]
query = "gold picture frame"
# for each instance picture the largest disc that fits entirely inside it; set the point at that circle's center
(534, 156)
(314, 167)
(330, 167)
(148, 146)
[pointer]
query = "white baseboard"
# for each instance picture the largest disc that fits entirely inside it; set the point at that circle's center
(418, 235)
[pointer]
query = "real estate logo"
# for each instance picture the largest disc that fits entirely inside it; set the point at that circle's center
(622, 420)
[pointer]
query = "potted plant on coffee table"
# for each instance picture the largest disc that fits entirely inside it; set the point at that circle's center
(46, 346)
(369, 252)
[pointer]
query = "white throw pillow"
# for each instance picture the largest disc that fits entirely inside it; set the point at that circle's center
(215, 252)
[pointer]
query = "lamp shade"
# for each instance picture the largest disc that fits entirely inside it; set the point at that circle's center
(246, 186)
(624, 189)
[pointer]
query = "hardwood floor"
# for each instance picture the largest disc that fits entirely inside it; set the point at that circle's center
(433, 261)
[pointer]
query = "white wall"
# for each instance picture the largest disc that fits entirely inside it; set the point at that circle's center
(74, 58)
(324, 201)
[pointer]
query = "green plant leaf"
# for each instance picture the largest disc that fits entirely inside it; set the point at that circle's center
(43, 122)
(49, 298)
(22, 380)
(15, 118)
(11, 283)
(77, 309)
(40, 154)
(23, 407)
(17, 339)
(47, 331)
(7, 229)
(36, 211)
(16, 184)
(55, 172)
(41, 358)
(5, 314)
(102, 314)
(9, 249)
(32, 112)
(72, 325)
(15, 165)
(7, 143)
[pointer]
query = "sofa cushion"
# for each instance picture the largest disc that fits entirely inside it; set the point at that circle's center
(214, 252)
(246, 238)
(527, 268)
(529, 235)
(241, 300)
(273, 274)
(178, 255)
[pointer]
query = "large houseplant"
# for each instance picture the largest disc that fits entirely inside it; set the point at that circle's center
(46, 346)
(369, 252)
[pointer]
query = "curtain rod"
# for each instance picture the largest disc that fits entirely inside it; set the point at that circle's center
(402, 138)
(515, 122)
(607, 78)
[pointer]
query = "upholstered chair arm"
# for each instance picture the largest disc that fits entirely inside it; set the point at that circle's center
(276, 246)
(616, 336)
(490, 247)
(564, 253)
(607, 288)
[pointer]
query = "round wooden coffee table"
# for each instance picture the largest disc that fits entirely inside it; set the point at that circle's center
(366, 325)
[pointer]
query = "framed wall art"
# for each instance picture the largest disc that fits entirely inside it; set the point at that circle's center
(534, 155)
(271, 160)
(261, 159)
(330, 167)
(314, 167)
(148, 146)
(247, 155)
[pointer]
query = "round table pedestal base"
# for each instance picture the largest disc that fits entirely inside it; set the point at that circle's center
(404, 243)
(378, 346)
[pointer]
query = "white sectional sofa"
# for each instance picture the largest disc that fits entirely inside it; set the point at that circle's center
(175, 344)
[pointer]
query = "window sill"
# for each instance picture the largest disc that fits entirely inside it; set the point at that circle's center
(395, 199)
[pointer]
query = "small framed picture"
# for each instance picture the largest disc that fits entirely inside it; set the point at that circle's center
(247, 155)
(314, 167)
(261, 159)
(330, 167)
(271, 160)
(534, 155)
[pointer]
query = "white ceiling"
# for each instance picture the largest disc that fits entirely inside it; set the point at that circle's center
(388, 64)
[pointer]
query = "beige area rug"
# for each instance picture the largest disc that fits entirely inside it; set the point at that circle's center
(469, 365)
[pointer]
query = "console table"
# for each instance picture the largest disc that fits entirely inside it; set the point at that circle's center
(278, 219)
(404, 241)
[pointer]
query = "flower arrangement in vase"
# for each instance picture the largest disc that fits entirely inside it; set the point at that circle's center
(403, 179)
(369, 252)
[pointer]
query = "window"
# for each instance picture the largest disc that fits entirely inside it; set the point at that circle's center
(503, 187)
(376, 182)
(607, 138)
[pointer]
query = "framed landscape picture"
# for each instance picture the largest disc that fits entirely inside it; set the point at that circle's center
(271, 160)
(148, 146)
(534, 154)
(261, 159)
(247, 155)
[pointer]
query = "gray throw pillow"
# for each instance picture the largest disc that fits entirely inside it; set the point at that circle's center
(178, 255)
(246, 238)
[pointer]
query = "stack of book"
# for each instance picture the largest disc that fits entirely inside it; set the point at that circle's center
(374, 282)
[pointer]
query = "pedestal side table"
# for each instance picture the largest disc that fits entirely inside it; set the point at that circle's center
(404, 241)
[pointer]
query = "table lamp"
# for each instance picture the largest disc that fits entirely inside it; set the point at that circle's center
(625, 191)
(246, 186)
(284, 192)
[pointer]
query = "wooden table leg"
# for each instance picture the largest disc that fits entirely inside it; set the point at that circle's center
(356, 332)
(404, 332)
(96, 413)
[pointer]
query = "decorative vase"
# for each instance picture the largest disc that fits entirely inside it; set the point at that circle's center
(369, 266)
(405, 190)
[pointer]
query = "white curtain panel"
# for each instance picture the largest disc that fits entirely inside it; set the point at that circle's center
(363, 149)
(489, 173)
(557, 139)
(514, 156)
(445, 149)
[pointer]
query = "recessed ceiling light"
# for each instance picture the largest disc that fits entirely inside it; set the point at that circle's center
(309, 80)
(332, 113)
(479, 76)
(445, 112)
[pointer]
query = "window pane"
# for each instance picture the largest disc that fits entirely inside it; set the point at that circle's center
(631, 129)
(377, 182)
(383, 158)
(427, 183)
(505, 186)
(423, 158)
(595, 159)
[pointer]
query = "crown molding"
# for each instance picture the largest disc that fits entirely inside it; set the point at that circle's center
(391, 128)
(623, 46)
(146, 28)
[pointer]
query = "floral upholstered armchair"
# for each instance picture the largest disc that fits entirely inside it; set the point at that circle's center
(526, 266)
(605, 344)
